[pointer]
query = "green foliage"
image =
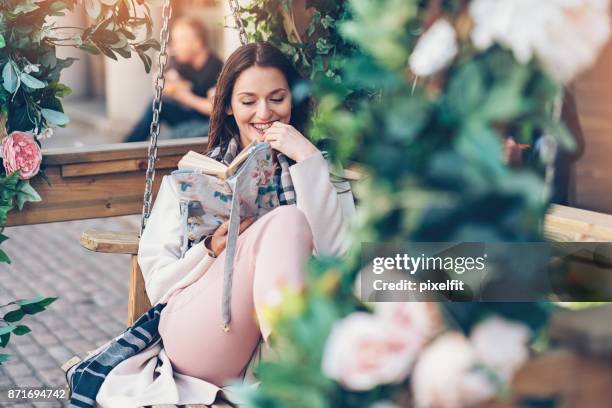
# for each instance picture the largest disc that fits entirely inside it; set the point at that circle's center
(30, 68)
(24, 307)
(31, 91)
(433, 151)
(319, 51)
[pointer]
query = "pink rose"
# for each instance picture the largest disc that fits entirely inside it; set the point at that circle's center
(21, 152)
(364, 351)
(418, 320)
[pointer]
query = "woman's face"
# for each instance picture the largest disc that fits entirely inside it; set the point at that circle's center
(261, 96)
(185, 44)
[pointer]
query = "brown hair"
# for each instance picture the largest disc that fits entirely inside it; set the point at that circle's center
(223, 126)
(196, 26)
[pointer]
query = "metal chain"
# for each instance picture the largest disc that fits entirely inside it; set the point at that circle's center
(160, 81)
(235, 7)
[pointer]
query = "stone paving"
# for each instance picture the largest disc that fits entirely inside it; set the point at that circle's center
(48, 260)
(92, 306)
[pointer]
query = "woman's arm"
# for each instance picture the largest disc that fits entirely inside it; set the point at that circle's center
(160, 247)
(199, 103)
(328, 208)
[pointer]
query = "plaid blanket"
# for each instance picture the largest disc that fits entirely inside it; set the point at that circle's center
(86, 377)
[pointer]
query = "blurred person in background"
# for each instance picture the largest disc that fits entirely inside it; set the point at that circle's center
(190, 79)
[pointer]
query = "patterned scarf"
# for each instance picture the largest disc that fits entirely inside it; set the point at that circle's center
(282, 177)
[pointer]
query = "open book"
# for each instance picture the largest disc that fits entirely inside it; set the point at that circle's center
(203, 164)
(209, 191)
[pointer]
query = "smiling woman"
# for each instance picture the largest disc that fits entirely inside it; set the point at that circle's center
(253, 92)
(202, 348)
(253, 103)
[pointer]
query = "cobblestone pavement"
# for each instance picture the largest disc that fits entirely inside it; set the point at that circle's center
(92, 306)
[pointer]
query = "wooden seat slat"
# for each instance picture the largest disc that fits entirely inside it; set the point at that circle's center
(98, 181)
(561, 224)
(122, 242)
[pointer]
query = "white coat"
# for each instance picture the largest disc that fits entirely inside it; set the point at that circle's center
(147, 378)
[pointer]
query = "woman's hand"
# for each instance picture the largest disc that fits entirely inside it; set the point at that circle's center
(287, 140)
(219, 237)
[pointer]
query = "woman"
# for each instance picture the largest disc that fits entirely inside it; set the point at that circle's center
(191, 76)
(253, 102)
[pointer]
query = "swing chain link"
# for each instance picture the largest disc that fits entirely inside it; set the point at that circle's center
(160, 82)
(235, 7)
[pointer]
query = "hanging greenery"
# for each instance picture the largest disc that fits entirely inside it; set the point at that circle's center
(31, 94)
(31, 91)
(442, 85)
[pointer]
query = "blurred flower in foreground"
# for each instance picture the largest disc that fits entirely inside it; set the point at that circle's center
(455, 371)
(434, 50)
(363, 351)
(566, 35)
(422, 319)
(445, 375)
(501, 345)
(283, 301)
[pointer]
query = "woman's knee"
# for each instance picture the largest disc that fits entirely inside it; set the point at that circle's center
(291, 220)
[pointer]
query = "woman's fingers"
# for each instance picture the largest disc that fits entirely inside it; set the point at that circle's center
(246, 223)
(222, 229)
(219, 238)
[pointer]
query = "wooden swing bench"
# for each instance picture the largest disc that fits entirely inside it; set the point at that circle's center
(108, 180)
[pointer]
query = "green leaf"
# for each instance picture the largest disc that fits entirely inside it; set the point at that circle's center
(2, 42)
(32, 309)
(37, 301)
(4, 257)
(146, 60)
(465, 91)
(25, 7)
(4, 339)
(55, 117)
(106, 51)
(47, 301)
(150, 43)
(26, 193)
(31, 82)
(4, 358)
(6, 329)
(24, 302)
(14, 316)
(4, 209)
(62, 90)
(10, 78)
(21, 330)
(90, 48)
(561, 134)
(3, 238)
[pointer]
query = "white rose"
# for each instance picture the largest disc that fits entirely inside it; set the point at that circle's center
(445, 375)
(577, 35)
(362, 351)
(565, 35)
(434, 50)
(501, 345)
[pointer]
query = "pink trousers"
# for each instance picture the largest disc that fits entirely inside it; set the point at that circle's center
(272, 252)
